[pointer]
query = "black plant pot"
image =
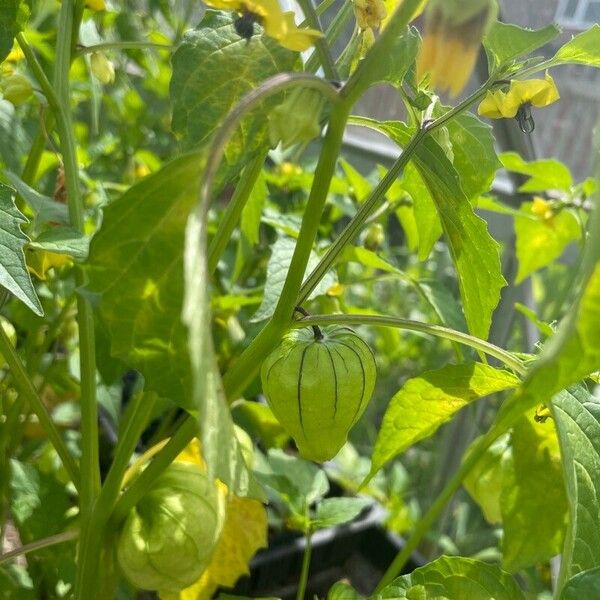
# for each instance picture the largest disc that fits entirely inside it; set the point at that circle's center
(359, 552)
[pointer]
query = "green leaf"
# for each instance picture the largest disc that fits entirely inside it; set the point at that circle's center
(368, 259)
(577, 416)
(299, 482)
(39, 503)
(583, 585)
(546, 174)
(544, 328)
(484, 481)
(426, 216)
(63, 240)
(474, 252)
(583, 49)
(343, 591)
(453, 577)
(475, 156)
(15, 583)
(213, 69)
(136, 268)
(359, 185)
(251, 213)
(13, 14)
(45, 209)
(277, 268)
(443, 302)
(335, 511)
(504, 42)
(14, 275)
(259, 421)
(533, 499)
(540, 241)
(426, 402)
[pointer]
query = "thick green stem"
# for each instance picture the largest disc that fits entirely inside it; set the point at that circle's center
(436, 330)
(27, 390)
(234, 210)
(90, 466)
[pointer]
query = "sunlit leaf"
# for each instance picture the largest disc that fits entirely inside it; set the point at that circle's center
(545, 174)
(14, 275)
(583, 49)
(455, 577)
(533, 499)
(426, 402)
(577, 416)
(540, 241)
(504, 41)
(208, 82)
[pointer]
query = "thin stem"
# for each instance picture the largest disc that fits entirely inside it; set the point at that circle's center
(334, 31)
(321, 46)
(27, 390)
(436, 330)
(305, 566)
(81, 50)
(90, 464)
(53, 540)
(234, 210)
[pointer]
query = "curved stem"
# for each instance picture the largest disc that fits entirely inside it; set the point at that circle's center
(436, 330)
(265, 90)
(52, 540)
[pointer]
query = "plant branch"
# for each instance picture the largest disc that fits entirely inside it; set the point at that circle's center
(53, 540)
(321, 46)
(305, 566)
(435, 330)
(27, 390)
(81, 50)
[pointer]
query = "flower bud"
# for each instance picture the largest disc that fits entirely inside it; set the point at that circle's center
(374, 237)
(296, 119)
(16, 88)
(102, 68)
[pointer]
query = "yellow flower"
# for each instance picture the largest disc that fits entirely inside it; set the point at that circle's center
(505, 104)
(453, 33)
(369, 13)
(95, 4)
(39, 262)
(542, 208)
(277, 24)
